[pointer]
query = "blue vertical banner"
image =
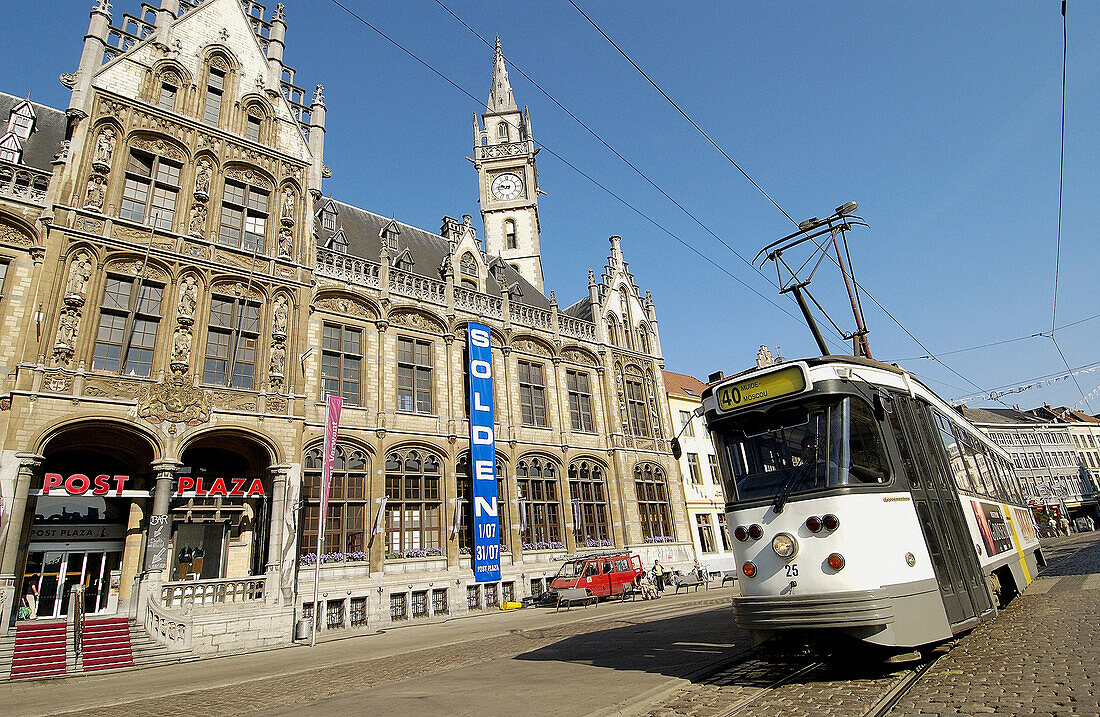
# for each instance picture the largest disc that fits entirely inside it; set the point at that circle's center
(483, 455)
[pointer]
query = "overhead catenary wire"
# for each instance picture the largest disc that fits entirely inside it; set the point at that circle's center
(757, 186)
(565, 161)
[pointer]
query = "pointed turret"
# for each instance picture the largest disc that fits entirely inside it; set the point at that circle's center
(500, 94)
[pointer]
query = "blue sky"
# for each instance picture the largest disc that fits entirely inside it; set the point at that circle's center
(941, 119)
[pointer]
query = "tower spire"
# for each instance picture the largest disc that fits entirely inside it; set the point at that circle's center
(500, 94)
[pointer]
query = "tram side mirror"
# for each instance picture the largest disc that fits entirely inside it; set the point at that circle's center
(881, 409)
(676, 450)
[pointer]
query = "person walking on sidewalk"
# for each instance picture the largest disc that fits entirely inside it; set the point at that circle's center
(659, 575)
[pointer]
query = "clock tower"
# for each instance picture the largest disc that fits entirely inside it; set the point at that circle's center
(504, 156)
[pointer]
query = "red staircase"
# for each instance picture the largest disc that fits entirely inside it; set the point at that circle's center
(39, 650)
(107, 644)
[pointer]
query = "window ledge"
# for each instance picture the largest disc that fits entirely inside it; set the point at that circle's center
(399, 412)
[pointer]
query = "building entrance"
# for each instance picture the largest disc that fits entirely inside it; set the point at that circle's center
(51, 575)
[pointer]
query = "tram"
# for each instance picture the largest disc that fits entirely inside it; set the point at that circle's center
(864, 506)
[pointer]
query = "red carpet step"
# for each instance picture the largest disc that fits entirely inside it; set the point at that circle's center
(39, 650)
(107, 644)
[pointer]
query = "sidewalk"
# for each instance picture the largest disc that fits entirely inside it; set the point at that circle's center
(92, 691)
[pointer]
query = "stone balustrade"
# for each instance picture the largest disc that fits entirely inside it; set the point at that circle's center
(211, 592)
(165, 628)
(23, 183)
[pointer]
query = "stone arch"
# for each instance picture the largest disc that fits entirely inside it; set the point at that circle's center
(250, 174)
(16, 230)
(580, 355)
(236, 287)
(532, 344)
(162, 145)
(496, 338)
(232, 436)
(419, 320)
(64, 427)
(134, 264)
(344, 302)
(215, 51)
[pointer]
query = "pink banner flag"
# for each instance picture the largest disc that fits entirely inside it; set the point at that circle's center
(332, 425)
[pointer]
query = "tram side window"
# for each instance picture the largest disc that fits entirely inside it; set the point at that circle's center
(911, 473)
(973, 457)
(868, 461)
(954, 454)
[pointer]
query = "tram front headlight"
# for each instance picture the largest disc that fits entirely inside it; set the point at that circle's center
(785, 545)
(741, 533)
(749, 569)
(830, 522)
(813, 524)
(756, 531)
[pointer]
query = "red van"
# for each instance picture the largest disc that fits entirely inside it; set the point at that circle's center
(602, 575)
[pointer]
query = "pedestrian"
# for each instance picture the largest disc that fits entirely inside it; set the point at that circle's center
(29, 609)
(700, 572)
(1064, 524)
(646, 585)
(1090, 523)
(659, 575)
(1052, 529)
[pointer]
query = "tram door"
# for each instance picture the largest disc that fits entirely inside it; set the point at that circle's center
(936, 506)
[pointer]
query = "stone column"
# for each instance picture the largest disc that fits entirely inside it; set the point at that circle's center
(29, 464)
(275, 533)
(164, 472)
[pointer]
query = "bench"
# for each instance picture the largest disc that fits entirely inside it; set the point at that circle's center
(730, 575)
(690, 581)
(572, 596)
(629, 592)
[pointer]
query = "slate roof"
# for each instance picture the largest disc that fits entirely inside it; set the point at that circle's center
(46, 137)
(428, 250)
(1003, 416)
(580, 310)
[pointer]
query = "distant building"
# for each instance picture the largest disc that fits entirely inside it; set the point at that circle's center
(1085, 431)
(1045, 457)
(699, 473)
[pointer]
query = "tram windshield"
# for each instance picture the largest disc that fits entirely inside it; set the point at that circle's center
(813, 446)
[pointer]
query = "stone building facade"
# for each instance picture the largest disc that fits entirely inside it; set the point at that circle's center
(181, 296)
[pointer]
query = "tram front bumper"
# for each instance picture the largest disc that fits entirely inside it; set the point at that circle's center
(860, 608)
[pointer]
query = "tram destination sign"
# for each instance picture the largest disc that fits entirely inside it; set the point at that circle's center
(747, 392)
(486, 557)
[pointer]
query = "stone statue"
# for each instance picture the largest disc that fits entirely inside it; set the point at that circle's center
(202, 178)
(181, 344)
(105, 146)
(79, 273)
(94, 197)
(278, 359)
(67, 328)
(285, 243)
(189, 297)
(198, 219)
(278, 325)
(288, 203)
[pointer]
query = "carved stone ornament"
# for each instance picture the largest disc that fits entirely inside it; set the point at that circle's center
(196, 225)
(239, 290)
(280, 315)
(346, 307)
(13, 235)
(138, 268)
(287, 215)
(57, 382)
(104, 149)
(415, 320)
(174, 400)
(218, 62)
(277, 365)
(110, 108)
(68, 326)
(97, 189)
(80, 270)
(68, 79)
(158, 146)
(203, 172)
(276, 404)
(189, 299)
(181, 349)
(92, 226)
(286, 244)
(249, 177)
(531, 347)
(577, 357)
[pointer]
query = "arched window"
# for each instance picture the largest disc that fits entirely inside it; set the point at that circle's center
(347, 528)
(612, 331)
(540, 504)
(245, 209)
(466, 502)
(654, 511)
(215, 91)
(510, 233)
(167, 90)
(150, 190)
(502, 131)
(413, 505)
(468, 265)
(643, 339)
(588, 496)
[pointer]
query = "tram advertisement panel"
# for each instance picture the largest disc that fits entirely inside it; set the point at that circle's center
(486, 557)
(1025, 524)
(992, 526)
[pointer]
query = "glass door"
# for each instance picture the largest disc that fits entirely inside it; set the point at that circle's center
(93, 582)
(48, 593)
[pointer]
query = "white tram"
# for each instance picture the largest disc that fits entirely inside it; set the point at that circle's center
(864, 505)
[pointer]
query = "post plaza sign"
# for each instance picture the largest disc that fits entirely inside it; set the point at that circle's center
(113, 486)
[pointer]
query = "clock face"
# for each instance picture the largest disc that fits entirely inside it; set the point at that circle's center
(507, 186)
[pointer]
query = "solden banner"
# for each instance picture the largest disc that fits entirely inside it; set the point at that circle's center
(486, 526)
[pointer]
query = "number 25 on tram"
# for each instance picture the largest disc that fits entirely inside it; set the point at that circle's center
(864, 506)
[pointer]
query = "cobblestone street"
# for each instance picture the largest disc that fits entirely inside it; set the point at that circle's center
(675, 657)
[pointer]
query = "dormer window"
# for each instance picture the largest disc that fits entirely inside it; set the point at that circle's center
(10, 149)
(404, 262)
(328, 221)
(21, 121)
(338, 243)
